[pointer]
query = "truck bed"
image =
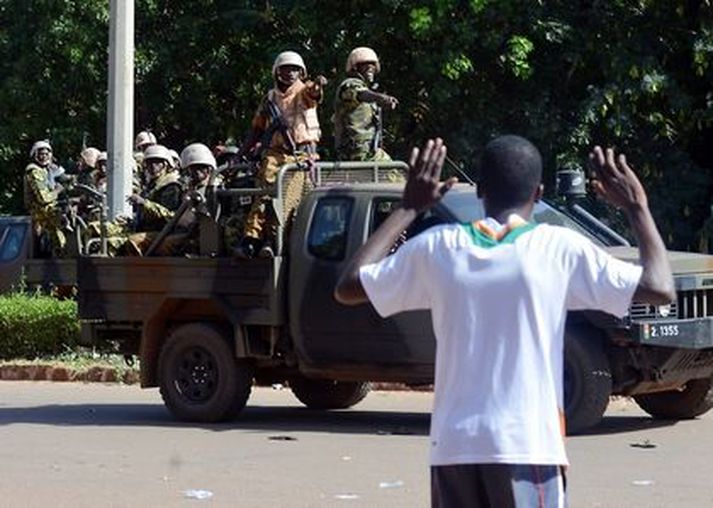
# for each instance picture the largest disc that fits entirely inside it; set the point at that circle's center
(130, 289)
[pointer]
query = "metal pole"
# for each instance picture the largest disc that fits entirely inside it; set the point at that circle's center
(120, 114)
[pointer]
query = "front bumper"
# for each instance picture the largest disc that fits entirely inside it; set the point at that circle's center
(696, 333)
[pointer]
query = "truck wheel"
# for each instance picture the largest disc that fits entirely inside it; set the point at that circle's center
(587, 379)
(328, 394)
(199, 377)
(694, 399)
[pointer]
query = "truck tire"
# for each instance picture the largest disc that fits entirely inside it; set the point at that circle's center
(587, 379)
(694, 399)
(328, 394)
(199, 377)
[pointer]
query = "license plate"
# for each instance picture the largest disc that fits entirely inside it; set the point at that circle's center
(685, 333)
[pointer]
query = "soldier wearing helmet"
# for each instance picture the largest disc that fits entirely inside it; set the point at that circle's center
(286, 130)
(86, 164)
(99, 173)
(41, 193)
(358, 108)
(163, 192)
(200, 166)
(144, 139)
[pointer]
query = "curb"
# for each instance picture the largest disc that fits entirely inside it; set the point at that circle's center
(97, 374)
(47, 372)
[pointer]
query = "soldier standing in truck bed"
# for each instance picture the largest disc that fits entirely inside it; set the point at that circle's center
(357, 109)
(287, 130)
(41, 194)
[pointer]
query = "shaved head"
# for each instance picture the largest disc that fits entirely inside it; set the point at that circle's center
(510, 172)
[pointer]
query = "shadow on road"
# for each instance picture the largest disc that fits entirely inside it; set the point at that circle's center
(626, 423)
(253, 418)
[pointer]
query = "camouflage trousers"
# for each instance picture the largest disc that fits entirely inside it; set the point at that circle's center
(262, 220)
(392, 176)
(48, 221)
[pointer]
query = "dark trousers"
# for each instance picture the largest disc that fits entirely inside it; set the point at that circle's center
(498, 486)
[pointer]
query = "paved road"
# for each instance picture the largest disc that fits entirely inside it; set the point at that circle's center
(93, 445)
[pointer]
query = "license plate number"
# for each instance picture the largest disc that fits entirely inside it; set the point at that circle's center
(656, 331)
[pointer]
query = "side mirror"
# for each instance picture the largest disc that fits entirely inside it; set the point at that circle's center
(571, 184)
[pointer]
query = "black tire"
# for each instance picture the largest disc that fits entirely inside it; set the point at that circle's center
(587, 379)
(328, 394)
(199, 377)
(694, 399)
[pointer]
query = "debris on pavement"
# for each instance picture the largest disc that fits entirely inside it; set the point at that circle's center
(199, 494)
(643, 483)
(391, 485)
(643, 444)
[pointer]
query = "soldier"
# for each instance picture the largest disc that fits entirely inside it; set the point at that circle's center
(144, 139)
(99, 173)
(163, 192)
(86, 164)
(357, 109)
(287, 131)
(41, 197)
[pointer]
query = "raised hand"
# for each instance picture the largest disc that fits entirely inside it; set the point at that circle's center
(615, 181)
(423, 187)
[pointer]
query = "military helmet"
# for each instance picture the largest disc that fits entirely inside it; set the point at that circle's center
(197, 153)
(289, 58)
(89, 157)
(361, 55)
(175, 158)
(158, 152)
(144, 138)
(102, 157)
(39, 145)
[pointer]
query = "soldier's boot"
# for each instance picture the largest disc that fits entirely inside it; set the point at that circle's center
(248, 248)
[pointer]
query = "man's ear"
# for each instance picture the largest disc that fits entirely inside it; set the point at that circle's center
(539, 191)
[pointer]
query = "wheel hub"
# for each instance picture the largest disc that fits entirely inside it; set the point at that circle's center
(196, 376)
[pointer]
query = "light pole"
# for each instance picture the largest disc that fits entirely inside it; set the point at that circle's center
(120, 114)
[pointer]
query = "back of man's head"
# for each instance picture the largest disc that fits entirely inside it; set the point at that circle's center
(510, 172)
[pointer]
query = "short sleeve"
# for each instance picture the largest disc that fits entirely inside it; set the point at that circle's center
(399, 282)
(599, 281)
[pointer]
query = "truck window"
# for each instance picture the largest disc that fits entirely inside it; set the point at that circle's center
(328, 231)
(12, 236)
(381, 208)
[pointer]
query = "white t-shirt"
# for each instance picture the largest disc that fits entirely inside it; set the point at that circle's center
(498, 311)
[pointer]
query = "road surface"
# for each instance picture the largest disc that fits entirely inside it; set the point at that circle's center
(96, 445)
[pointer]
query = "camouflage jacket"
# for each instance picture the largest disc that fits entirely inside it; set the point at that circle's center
(39, 192)
(355, 122)
(162, 199)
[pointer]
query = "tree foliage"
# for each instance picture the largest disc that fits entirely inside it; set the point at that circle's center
(566, 74)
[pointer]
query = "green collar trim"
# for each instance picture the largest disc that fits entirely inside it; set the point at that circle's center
(482, 240)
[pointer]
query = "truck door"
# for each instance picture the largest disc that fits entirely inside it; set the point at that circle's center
(329, 335)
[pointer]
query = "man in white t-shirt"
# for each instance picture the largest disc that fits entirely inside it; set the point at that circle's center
(499, 291)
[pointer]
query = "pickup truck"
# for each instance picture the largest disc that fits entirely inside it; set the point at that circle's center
(206, 328)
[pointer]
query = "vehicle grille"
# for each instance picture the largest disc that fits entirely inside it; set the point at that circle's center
(645, 311)
(695, 304)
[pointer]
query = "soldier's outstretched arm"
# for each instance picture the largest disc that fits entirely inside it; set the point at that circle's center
(383, 100)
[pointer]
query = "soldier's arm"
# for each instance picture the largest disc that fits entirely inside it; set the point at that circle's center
(383, 100)
(257, 129)
(314, 90)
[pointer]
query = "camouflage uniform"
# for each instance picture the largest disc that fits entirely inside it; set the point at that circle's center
(41, 202)
(164, 197)
(356, 123)
(298, 105)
